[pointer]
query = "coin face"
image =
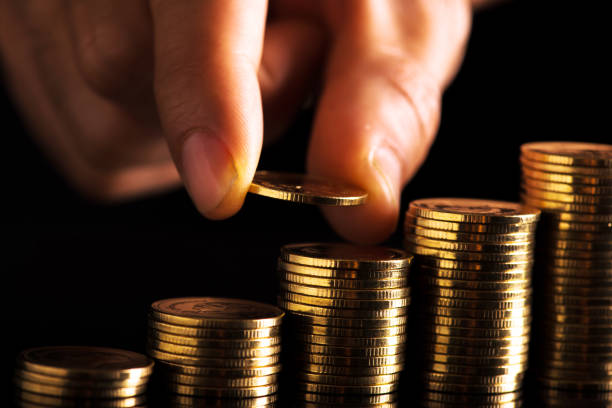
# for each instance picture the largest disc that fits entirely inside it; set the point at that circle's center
(307, 189)
(569, 153)
(339, 255)
(216, 308)
(78, 360)
(473, 210)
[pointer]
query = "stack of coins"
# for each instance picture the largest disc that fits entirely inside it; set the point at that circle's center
(572, 184)
(347, 310)
(73, 376)
(221, 352)
(472, 269)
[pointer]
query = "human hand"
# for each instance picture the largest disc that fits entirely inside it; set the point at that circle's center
(121, 94)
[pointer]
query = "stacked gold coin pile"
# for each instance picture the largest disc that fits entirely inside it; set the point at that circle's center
(472, 268)
(346, 306)
(216, 348)
(73, 376)
(572, 184)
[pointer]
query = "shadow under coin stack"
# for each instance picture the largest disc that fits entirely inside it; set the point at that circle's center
(472, 297)
(572, 184)
(346, 312)
(216, 351)
(74, 376)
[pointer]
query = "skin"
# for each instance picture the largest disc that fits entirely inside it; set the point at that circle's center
(134, 97)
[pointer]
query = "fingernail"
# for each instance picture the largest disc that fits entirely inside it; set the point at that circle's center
(389, 170)
(208, 170)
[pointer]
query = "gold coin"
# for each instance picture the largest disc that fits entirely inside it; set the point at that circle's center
(477, 351)
(574, 226)
(359, 274)
(580, 274)
(476, 285)
(436, 404)
(400, 294)
(585, 199)
(594, 255)
(52, 401)
(217, 334)
(345, 256)
(204, 371)
(473, 210)
(212, 352)
(217, 382)
(586, 311)
(354, 371)
(585, 348)
(380, 351)
(346, 303)
(81, 392)
(592, 292)
(485, 266)
(456, 274)
(344, 399)
(478, 294)
(341, 313)
(565, 358)
(208, 312)
(343, 389)
(597, 212)
(304, 404)
(214, 362)
(518, 256)
(469, 227)
(600, 245)
(562, 169)
(245, 392)
(483, 314)
(478, 332)
(505, 304)
(569, 153)
(394, 359)
(352, 341)
(503, 342)
(343, 283)
(355, 332)
(306, 189)
(349, 323)
(94, 363)
(601, 220)
(576, 329)
(503, 248)
(566, 178)
(437, 234)
(567, 370)
(80, 383)
(466, 323)
(187, 401)
(212, 343)
(581, 319)
(580, 263)
(474, 388)
(456, 369)
(567, 188)
(569, 337)
(472, 379)
(579, 236)
(577, 384)
(350, 381)
(471, 399)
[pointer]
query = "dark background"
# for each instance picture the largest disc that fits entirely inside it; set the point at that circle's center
(74, 272)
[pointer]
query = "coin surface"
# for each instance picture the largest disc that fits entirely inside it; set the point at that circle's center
(306, 189)
(216, 313)
(473, 210)
(346, 256)
(95, 363)
(569, 153)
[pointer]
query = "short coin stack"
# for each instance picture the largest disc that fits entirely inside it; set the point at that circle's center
(74, 376)
(472, 269)
(223, 351)
(347, 310)
(571, 183)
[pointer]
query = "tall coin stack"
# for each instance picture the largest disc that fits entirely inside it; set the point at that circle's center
(572, 184)
(216, 351)
(472, 269)
(347, 310)
(74, 376)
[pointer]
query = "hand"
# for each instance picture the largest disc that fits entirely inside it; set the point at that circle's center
(122, 93)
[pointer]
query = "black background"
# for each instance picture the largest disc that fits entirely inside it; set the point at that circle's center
(74, 272)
